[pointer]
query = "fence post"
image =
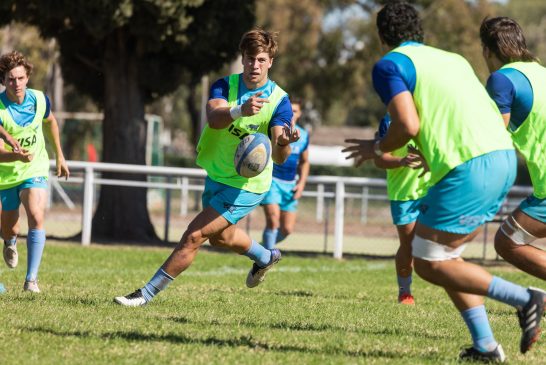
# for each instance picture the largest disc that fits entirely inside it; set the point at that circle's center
(167, 211)
(320, 202)
(88, 198)
(364, 207)
(326, 221)
(184, 197)
(339, 211)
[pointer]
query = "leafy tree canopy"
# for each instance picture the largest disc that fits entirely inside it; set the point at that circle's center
(171, 39)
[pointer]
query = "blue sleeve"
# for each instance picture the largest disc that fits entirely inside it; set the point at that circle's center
(393, 74)
(219, 90)
(513, 93)
(502, 91)
(48, 107)
(282, 115)
(384, 125)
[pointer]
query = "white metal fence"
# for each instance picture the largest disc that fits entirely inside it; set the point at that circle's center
(338, 189)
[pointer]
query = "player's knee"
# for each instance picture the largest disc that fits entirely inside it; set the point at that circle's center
(286, 231)
(192, 239)
(272, 224)
(35, 222)
(511, 232)
(224, 239)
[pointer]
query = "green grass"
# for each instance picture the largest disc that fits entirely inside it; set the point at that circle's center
(313, 310)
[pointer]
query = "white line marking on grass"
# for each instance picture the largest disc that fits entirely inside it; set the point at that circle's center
(230, 270)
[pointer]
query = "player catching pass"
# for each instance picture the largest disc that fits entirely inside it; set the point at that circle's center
(518, 87)
(281, 202)
(238, 105)
(405, 188)
(472, 165)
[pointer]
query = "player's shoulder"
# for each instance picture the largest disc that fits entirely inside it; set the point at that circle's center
(504, 79)
(221, 82)
(393, 62)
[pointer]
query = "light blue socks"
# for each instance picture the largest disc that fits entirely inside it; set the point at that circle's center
(404, 285)
(35, 248)
(157, 283)
(259, 254)
(508, 293)
(478, 324)
(271, 237)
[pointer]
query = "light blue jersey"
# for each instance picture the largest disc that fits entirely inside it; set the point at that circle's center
(23, 114)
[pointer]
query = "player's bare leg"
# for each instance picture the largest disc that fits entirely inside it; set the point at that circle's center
(458, 278)
(525, 257)
(404, 263)
(288, 223)
(10, 230)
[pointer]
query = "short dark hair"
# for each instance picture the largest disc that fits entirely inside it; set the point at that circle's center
(504, 37)
(257, 41)
(399, 22)
(296, 100)
(11, 60)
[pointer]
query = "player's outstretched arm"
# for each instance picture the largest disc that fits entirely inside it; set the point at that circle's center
(281, 137)
(52, 133)
(388, 161)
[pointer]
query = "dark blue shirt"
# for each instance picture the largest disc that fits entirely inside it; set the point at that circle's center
(282, 116)
(393, 74)
(513, 93)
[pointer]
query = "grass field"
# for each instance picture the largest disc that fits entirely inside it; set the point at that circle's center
(310, 310)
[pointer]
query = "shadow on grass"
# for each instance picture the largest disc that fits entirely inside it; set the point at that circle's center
(317, 327)
(242, 341)
(295, 293)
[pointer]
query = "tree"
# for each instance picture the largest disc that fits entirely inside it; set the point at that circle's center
(531, 15)
(331, 65)
(125, 54)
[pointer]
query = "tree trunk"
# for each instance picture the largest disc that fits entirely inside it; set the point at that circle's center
(122, 213)
(194, 113)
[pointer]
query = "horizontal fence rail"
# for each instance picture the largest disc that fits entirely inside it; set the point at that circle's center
(327, 187)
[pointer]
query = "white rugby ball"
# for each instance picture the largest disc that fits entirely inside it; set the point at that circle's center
(252, 155)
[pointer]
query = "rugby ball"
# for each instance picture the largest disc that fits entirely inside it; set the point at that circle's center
(252, 155)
